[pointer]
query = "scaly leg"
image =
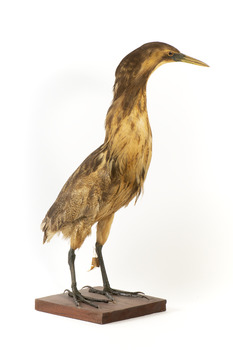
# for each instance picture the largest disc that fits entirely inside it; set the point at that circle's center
(77, 296)
(107, 290)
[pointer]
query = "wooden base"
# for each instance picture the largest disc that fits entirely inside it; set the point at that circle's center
(121, 309)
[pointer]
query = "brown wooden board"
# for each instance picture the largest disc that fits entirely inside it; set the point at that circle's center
(121, 309)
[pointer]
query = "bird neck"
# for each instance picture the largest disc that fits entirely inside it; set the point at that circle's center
(127, 110)
(130, 90)
(129, 140)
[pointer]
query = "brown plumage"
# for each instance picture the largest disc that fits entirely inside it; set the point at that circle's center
(113, 175)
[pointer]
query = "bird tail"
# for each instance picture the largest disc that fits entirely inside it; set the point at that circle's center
(44, 229)
(48, 234)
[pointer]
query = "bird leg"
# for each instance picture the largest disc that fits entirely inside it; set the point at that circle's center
(107, 290)
(77, 296)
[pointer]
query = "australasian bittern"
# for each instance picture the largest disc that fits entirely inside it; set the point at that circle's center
(111, 176)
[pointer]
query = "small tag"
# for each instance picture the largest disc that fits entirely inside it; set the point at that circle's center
(94, 263)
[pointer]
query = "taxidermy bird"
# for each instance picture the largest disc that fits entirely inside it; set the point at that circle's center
(114, 174)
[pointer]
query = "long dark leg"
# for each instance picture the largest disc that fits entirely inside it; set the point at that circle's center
(107, 290)
(77, 296)
(106, 283)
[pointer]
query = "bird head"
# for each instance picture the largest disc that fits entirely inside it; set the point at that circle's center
(137, 66)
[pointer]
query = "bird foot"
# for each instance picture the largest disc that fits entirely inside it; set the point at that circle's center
(79, 298)
(108, 292)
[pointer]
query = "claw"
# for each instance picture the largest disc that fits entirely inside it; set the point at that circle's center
(101, 292)
(97, 291)
(78, 297)
(109, 291)
(86, 287)
(68, 292)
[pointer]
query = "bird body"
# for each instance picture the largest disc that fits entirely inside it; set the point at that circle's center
(109, 178)
(114, 174)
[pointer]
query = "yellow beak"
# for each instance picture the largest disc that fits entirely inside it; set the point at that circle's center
(179, 57)
(191, 60)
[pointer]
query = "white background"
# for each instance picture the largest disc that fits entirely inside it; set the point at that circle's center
(58, 60)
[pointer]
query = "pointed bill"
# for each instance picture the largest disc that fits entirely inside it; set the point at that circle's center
(180, 57)
(192, 60)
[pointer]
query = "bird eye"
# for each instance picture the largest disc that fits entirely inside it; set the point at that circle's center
(170, 53)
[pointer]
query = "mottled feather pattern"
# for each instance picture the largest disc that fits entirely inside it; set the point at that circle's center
(111, 176)
(108, 179)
